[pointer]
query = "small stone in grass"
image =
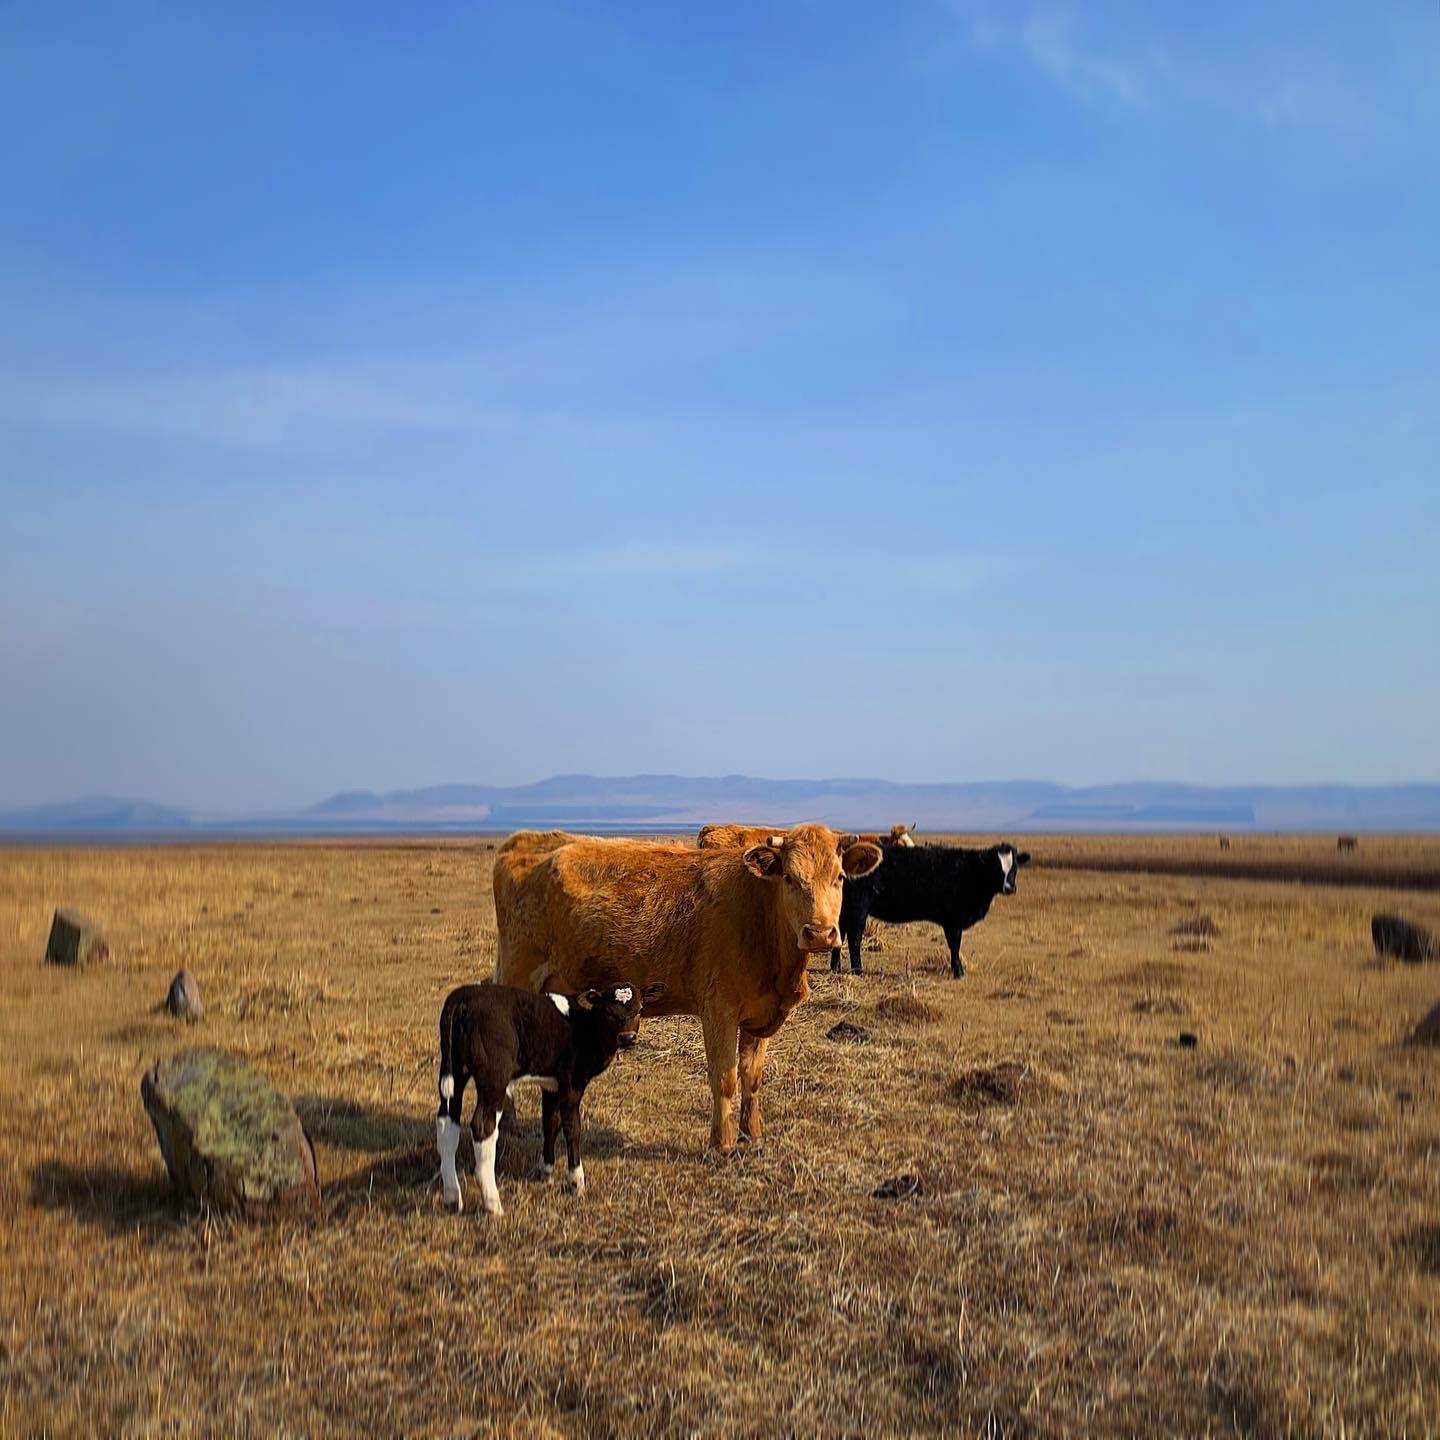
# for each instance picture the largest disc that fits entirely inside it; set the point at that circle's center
(1188, 1040)
(847, 1032)
(900, 1187)
(74, 940)
(183, 1000)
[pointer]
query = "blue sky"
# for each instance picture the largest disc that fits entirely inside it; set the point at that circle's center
(400, 394)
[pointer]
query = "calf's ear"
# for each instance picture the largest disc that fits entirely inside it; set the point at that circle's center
(587, 999)
(764, 861)
(859, 858)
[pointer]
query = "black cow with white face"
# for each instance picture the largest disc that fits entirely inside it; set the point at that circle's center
(945, 884)
(500, 1037)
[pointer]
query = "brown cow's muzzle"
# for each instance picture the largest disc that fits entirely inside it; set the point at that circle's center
(818, 937)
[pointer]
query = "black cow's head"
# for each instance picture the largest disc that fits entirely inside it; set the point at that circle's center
(615, 1012)
(1009, 859)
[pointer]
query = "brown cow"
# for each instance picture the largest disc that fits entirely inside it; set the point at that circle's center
(1347, 842)
(726, 931)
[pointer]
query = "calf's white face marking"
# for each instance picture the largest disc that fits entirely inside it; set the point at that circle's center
(560, 1003)
(624, 994)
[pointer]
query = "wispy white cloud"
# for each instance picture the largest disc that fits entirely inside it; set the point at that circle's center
(936, 573)
(1310, 103)
(1047, 39)
(262, 406)
(1262, 81)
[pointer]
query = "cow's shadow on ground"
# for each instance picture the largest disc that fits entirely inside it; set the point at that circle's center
(407, 1165)
(346, 1125)
(118, 1201)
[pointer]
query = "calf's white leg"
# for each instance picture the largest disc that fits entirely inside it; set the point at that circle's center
(447, 1141)
(487, 1122)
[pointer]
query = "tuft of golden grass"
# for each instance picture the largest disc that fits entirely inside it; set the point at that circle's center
(1133, 1238)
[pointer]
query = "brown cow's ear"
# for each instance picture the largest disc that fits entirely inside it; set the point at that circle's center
(844, 843)
(860, 859)
(764, 861)
(651, 993)
(586, 999)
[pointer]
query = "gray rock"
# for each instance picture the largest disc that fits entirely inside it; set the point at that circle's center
(74, 940)
(1427, 1032)
(231, 1142)
(1396, 936)
(184, 1001)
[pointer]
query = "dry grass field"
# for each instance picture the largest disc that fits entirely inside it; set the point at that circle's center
(1114, 1235)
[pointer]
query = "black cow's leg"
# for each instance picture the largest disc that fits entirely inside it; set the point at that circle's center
(550, 1123)
(855, 937)
(570, 1118)
(952, 938)
(835, 961)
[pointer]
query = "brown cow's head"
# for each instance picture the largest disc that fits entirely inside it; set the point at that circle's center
(810, 862)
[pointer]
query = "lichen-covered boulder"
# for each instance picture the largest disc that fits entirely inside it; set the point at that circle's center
(231, 1142)
(74, 940)
(183, 1000)
(1394, 935)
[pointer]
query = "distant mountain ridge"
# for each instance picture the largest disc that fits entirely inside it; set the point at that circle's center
(678, 802)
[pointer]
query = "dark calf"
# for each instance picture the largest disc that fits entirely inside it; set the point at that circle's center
(499, 1036)
(941, 883)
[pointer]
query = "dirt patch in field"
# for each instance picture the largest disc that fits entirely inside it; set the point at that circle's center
(1008, 1083)
(1155, 975)
(1161, 1005)
(1198, 927)
(907, 1010)
(1420, 1248)
(1145, 1227)
(1236, 1071)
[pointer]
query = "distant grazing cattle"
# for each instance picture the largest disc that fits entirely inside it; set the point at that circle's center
(726, 837)
(499, 1037)
(1224, 842)
(735, 837)
(950, 886)
(726, 931)
(1347, 842)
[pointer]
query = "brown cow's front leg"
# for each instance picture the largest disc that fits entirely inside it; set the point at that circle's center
(722, 1040)
(752, 1072)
